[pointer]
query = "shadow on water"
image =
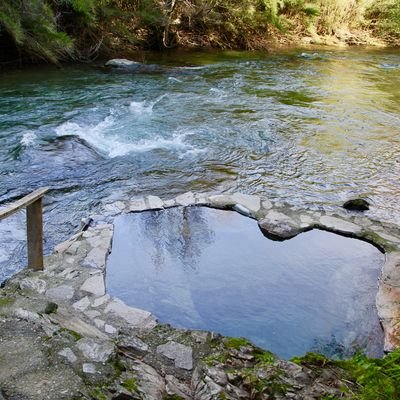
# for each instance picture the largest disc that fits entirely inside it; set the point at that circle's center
(209, 269)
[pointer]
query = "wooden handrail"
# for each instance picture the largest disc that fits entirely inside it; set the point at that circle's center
(34, 222)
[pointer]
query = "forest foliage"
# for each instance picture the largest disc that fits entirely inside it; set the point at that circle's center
(53, 30)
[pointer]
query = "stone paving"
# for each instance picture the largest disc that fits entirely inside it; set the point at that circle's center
(63, 336)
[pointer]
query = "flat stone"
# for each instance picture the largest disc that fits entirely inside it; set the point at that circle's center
(94, 350)
(222, 201)
(96, 258)
(137, 205)
(89, 368)
(134, 316)
(179, 353)
(99, 301)
(75, 324)
(111, 209)
(391, 238)
(169, 203)
(185, 199)
(339, 225)
(99, 323)
(94, 285)
(62, 292)
(110, 329)
(93, 314)
(202, 198)
(306, 219)
(154, 203)
(251, 202)
(68, 354)
(36, 284)
(82, 304)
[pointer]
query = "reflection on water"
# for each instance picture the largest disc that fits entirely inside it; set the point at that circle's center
(203, 268)
(309, 128)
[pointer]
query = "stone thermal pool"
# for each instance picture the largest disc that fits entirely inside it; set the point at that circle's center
(201, 268)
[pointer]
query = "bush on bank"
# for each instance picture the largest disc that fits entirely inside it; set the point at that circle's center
(54, 30)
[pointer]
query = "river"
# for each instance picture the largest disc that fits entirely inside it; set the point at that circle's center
(311, 128)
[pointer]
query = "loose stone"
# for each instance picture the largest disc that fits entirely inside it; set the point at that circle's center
(179, 353)
(68, 354)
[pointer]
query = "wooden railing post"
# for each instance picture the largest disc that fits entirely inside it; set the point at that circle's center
(34, 224)
(34, 221)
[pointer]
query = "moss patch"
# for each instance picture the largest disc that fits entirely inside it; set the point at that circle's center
(130, 384)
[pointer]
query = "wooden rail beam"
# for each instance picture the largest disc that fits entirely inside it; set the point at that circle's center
(34, 223)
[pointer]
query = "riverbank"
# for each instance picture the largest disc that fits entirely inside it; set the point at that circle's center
(82, 344)
(46, 31)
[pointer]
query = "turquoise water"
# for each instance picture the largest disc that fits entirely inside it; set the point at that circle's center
(211, 269)
(310, 128)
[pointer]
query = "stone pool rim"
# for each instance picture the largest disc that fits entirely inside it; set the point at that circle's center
(279, 221)
(70, 296)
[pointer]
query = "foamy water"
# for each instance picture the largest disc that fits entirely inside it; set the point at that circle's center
(28, 138)
(115, 136)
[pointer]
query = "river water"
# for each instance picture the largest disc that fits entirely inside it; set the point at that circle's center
(310, 128)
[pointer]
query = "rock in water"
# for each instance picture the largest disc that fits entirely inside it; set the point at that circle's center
(356, 205)
(121, 63)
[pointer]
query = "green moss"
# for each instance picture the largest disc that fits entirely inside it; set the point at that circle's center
(311, 359)
(98, 393)
(6, 301)
(236, 343)
(119, 366)
(217, 358)
(369, 378)
(130, 384)
(264, 357)
(77, 336)
(173, 397)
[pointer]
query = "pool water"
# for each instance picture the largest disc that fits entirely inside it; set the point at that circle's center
(201, 268)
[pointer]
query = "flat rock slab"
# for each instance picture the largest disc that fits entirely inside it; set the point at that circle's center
(62, 292)
(94, 350)
(134, 316)
(186, 199)
(95, 285)
(339, 225)
(179, 353)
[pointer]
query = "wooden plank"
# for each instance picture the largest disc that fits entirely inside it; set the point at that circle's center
(21, 203)
(34, 223)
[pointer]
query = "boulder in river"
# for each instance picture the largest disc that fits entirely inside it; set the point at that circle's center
(121, 63)
(356, 205)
